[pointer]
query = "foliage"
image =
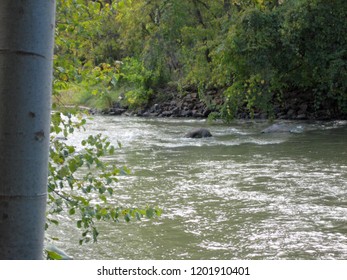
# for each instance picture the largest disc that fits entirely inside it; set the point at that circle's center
(81, 182)
(315, 34)
(82, 49)
(102, 82)
(298, 46)
(255, 50)
(251, 57)
(136, 80)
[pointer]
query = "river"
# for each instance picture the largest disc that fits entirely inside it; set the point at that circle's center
(241, 194)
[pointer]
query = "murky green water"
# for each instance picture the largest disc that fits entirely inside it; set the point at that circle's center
(238, 195)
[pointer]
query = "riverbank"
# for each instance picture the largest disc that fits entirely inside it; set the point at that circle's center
(170, 103)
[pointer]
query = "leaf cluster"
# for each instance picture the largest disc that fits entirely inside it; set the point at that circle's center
(82, 182)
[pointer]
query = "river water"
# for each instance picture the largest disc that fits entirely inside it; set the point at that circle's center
(241, 194)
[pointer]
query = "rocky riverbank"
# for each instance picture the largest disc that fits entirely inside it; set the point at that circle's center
(293, 106)
(173, 105)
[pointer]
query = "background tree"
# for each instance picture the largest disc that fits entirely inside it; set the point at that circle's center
(257, 54)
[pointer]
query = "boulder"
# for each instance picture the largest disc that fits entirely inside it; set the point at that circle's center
(117, 111)
(283, 127)
(199, 133)
(166, 114)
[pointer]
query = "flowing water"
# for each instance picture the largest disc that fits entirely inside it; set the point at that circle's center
(241, 194)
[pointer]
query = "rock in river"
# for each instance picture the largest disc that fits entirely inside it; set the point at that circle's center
(283, 127)
(199, 133)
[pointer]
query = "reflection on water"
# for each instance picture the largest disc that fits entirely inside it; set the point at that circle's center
(238, 195)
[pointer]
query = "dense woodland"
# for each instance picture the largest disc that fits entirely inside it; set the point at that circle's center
(249, 58)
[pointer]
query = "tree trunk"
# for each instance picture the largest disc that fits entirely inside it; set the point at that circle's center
(26, 51)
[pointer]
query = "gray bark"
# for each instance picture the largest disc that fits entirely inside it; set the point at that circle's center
(26, 51)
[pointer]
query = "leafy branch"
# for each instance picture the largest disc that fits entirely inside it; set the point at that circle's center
(81, 183)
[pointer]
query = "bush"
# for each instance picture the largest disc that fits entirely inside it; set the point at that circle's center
(137, 82)
(299, 46)
(315, 32)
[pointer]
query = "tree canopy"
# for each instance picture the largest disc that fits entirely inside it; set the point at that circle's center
(253, 52)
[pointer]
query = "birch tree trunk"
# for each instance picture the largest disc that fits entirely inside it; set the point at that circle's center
(26, 51)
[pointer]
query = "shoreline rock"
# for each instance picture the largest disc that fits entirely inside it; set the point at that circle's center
(168, 104)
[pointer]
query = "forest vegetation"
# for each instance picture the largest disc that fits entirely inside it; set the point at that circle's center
(268, 58)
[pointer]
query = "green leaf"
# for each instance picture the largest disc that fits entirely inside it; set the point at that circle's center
(72, 166)
(110, 191)
(53, 221)
(71, 149)
(95, 234)
(111, 150)
(55, 253)
(127, 218)
(72, 211)
(53, 256)
(103, 198)
(103, 212)
(158, 212)
(149, 213)
(79, 224)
